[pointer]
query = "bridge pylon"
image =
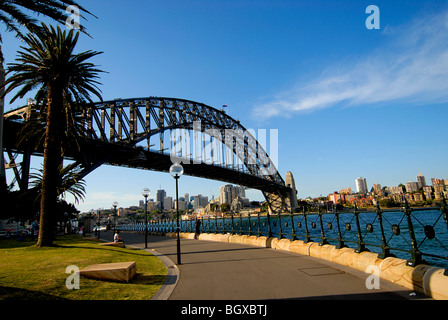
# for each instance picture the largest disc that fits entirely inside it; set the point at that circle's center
(283, 200)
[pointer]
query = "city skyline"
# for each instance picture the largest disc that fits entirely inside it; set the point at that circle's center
(343, 189)
(347, 101)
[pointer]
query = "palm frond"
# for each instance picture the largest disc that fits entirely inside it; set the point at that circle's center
(13, 16)
(68, 182)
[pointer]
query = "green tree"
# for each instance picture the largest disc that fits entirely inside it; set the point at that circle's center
(225, 207)
(49, 64)
(13, 16)
(67, 183)
(387, 203)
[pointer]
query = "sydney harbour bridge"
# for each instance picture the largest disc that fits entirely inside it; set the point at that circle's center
(150, 134)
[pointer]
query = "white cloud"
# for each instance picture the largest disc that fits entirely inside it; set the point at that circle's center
(412, 68)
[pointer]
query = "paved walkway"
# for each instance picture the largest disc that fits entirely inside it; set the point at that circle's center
(228, 271)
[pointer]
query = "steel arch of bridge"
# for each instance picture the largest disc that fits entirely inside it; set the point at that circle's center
(118, 129)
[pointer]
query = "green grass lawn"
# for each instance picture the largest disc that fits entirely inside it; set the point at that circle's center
(31, 273)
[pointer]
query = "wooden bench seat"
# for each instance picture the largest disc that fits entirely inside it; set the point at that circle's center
(120, 272)
(113, 244)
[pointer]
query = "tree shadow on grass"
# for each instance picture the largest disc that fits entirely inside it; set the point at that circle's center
(10, 293)
(130, 251)
(154, 280)
(15, 243)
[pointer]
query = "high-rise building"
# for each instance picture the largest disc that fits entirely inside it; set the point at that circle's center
(394, 190)
(161, 194)
(377, 188)
(182, 204)
(439, 182)
(168, 203)
(346, 191)
(361, 185)
(229, 192)
(421, 181)
(200, 201)
(411, 186)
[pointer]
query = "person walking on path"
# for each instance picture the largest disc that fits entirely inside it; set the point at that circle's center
(197, 229)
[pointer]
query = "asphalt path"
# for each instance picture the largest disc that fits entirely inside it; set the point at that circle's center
(227, 271)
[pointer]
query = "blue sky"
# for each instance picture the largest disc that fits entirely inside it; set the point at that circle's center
(347, 101)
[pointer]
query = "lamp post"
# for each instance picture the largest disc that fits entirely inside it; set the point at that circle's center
(176, 171)
(115, 204)
(146, 193)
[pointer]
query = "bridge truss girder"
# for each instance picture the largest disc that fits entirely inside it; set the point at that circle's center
(116, 130)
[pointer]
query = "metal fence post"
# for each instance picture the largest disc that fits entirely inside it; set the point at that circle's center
(361, 244)
(223, 223)
(307, 233)
(341, 243)
(384, 247)
(323, 239)
(416, 256)
(202, 224)
(216, 223)
(280, 230)
(444, 210)
(269, 226)
(208, 224)
(293, 231)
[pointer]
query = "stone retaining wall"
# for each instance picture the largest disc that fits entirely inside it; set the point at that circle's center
(428, 280)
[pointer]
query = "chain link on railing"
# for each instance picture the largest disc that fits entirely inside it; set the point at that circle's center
(407, 233)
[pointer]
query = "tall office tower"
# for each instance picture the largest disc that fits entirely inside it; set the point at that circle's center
(411, 186)
(168, 203)
(361, 185)
(240, 191)
(200, 201)
(161, 194)
(226, 194)
(377, 188)
(229, 192)
(421, 181)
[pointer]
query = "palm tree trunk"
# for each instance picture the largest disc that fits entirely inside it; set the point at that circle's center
(2, 107)
(52, 161)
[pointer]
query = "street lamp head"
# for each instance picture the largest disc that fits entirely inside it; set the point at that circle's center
(176, 170)
(146, 192)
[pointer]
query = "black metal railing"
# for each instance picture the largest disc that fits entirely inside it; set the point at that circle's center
(418, 235)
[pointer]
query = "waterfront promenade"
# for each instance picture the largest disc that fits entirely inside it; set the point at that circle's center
(228, 271)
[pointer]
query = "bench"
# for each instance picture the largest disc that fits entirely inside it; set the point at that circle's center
(119, 272)
(113, 244)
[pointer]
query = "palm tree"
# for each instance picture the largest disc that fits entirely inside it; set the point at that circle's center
(68, 182)
(49, 64)
(13, 16)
